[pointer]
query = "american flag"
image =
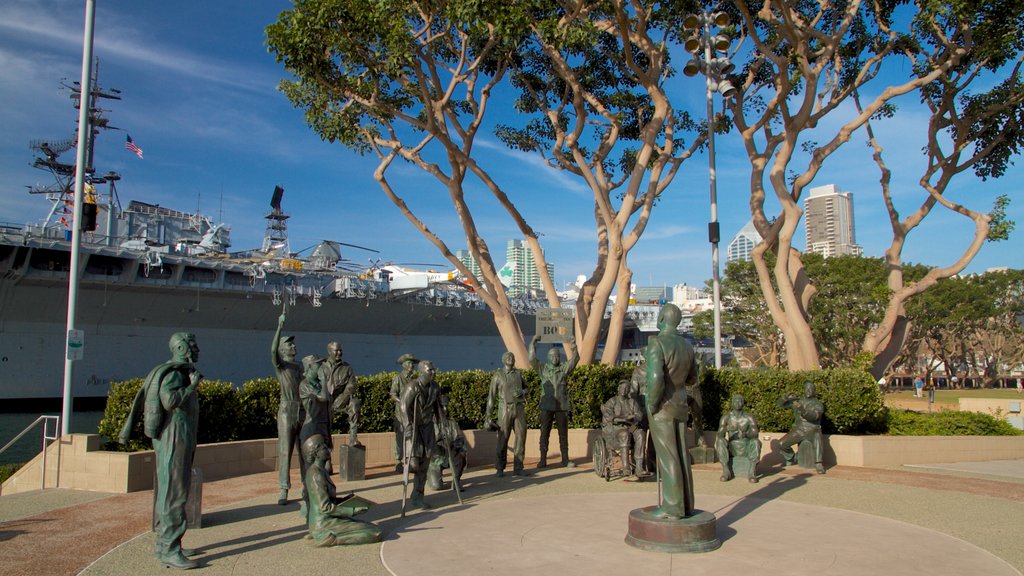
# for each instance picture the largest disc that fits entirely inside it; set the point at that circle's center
(131, 147)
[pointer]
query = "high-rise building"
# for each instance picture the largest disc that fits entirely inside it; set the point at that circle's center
(525, 275)
(828, 218)
(742, 245)
(466, 258)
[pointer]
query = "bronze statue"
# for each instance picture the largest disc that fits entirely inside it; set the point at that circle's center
(329, 517)
(171, 419)
(622, 426)
(738, 436)
(340, 380)
(316, 402)
(671, 368)
(448, 431)
(290, 414)
(554, 401)
(398, 383)
(807, 413)
(419, 405)
(508, 391)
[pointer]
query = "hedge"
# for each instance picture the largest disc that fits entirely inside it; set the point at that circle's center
(852, 401)
(948, 423)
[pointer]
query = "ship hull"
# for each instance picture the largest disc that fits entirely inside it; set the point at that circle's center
(127, 326)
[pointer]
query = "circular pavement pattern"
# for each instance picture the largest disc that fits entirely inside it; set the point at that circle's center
(584, 534)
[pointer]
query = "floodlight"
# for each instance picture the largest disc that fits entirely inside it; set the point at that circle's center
(691, 22)
(722, 66)
(692, 68)
(692, 44)
(720, 18)
(720, 43)
(726, 89)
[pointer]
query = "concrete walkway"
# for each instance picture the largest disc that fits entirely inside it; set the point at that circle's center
(561, 521)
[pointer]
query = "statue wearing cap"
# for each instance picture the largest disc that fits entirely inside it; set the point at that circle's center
(407, 374)
(315, 400)
(290, 414)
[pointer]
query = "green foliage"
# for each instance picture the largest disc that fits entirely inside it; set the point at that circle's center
(8, 470)
(852, 401)
(119, 403)
(258, 401)
(853, 404)
(948, 423)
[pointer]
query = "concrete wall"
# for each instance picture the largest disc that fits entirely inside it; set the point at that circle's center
(83, 466)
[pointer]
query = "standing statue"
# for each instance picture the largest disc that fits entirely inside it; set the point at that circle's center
(419, 405)
(289, 412)
(509, 392)
(330, 517)
(340, 380)
(554, 402)
(622, 426)
(738, 436)
(807, 413)
(671, 368)
(316, 402)
(398, 383)
(171, 418)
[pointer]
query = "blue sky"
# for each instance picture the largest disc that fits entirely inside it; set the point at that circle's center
(199, 97)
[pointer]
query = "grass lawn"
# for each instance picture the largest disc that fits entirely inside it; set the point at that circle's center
(945, 396)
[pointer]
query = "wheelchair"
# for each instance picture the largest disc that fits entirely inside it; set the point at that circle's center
(610, 459)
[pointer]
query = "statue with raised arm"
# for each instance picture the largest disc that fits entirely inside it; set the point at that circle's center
(554, 399)
(419, 405)
(738, 437)
(671, 368)
(330, 518)
(807, 413)
(290, 414)
(508, 392)
(340, 380)
(622, 426)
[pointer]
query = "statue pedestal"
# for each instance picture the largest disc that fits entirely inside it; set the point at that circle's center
(697, 533)
(742, 467)
(702, 455)
(351, 462)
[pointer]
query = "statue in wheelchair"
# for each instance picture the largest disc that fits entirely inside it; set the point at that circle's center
(623, 438)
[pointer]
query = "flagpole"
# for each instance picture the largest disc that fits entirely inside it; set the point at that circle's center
(84, 139)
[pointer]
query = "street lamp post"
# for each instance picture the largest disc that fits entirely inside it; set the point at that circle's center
(705, 46)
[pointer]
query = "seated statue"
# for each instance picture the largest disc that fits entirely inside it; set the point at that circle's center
(622, 428)
(807, 413)
(447, 429)
(329, 517)
(738, 437)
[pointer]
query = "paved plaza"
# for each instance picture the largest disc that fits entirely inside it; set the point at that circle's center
(936, 520)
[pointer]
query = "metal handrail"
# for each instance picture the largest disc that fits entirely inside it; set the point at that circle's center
(46, 419)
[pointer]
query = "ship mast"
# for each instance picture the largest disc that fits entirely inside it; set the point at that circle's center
(275, 239)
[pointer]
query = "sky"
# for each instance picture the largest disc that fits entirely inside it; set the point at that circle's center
(199, 96)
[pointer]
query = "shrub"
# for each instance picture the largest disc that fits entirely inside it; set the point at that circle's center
(853, 404)
(8, 470)
(852, 401)
(948, 423)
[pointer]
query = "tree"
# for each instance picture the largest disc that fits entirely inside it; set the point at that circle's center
(978, 131)
(810, 60)
(745, 314)
(591, 83)
(397, 78)
(412, 81)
